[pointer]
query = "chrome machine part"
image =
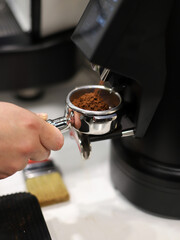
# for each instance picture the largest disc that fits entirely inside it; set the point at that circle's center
(62, 123)
(128, 133)
(103, 75)
(96, 68)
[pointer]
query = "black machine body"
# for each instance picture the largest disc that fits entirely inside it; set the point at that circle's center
(139, 42)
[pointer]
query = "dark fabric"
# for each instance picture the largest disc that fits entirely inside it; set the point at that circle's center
(21, 218)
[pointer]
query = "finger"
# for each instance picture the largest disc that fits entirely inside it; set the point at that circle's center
(41, 154)
(77, 120)
(44, 116)
(8, 171)
(51, 137)
(4, 175)
(12, 166)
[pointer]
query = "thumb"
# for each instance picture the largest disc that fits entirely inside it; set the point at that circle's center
(43, 116)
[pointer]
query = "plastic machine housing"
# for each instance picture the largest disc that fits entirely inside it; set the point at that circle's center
(139, 42)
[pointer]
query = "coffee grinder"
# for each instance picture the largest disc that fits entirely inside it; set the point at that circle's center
(139, 42)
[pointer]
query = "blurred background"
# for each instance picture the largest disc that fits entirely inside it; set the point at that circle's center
(35, 46)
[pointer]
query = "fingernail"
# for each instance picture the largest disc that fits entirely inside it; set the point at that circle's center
(43, 115)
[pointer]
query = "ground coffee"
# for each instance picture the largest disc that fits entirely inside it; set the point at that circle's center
(91, 101)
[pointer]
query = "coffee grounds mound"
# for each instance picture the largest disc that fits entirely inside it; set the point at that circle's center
(91, 101)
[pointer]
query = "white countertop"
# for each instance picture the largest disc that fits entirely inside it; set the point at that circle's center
(96, 211)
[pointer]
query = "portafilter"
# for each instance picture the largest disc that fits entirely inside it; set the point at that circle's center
(82, 122)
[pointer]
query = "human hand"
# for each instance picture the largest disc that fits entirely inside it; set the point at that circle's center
(24, 135)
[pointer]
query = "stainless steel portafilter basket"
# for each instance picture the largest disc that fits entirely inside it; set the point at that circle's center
(85, 122)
